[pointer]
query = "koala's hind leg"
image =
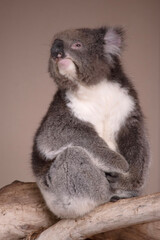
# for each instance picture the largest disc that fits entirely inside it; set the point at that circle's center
(74, 185)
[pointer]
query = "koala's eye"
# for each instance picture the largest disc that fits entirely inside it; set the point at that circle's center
(76, 45)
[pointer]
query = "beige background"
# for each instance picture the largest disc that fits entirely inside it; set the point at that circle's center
(26, 30)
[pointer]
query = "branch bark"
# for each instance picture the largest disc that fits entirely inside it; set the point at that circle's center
(23, 212)
(146, 231)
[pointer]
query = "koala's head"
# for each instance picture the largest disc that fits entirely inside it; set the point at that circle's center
(84, 56)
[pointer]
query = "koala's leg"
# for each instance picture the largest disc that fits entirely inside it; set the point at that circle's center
(133, 145)
(73, 185)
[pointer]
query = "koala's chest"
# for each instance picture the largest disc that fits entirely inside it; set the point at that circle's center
(106, 106)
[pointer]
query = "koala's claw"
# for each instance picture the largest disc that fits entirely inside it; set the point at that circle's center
(115, 199)
(112, 177)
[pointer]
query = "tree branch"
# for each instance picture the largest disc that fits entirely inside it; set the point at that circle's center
(146, 231)
(107, 217)
(23, 212)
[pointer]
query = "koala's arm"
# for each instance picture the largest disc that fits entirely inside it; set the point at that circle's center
(100, 153)
(60, 129)
(133, 145)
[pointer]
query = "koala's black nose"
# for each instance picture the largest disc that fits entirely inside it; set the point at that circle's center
(57, 49)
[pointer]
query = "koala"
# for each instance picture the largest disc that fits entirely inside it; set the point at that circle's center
(91, 146)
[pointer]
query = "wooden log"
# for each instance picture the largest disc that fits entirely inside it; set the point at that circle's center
(23, 215)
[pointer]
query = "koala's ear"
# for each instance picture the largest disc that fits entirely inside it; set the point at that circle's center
(114, 40)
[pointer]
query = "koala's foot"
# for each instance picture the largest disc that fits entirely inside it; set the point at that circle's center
(118, 183)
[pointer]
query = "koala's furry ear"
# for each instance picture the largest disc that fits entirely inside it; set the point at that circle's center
(114, 41)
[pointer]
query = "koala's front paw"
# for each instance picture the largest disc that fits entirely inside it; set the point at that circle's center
(119, 163)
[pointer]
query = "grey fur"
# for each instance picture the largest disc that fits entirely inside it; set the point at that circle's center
(72, 173)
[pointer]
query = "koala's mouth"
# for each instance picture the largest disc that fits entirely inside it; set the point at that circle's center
(67, 68)
(64, 62)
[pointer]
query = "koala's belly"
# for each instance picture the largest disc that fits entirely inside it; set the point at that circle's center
(105, 105)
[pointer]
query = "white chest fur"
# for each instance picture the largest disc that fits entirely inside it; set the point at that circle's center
(105, 105)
